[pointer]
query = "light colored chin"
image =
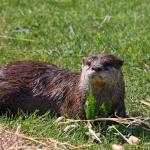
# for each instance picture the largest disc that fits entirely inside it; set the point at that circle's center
(96, 76)
(97, 82)
(99, 79)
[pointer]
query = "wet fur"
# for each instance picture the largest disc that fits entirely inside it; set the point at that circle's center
(31, 85)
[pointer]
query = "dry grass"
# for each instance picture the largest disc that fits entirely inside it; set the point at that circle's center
(11, 139)
(14, 140)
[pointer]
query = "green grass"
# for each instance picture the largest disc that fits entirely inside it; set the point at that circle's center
(62, 32)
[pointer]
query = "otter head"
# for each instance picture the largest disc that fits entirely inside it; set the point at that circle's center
(100, 70)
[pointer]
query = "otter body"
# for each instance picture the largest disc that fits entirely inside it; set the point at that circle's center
(33, 85)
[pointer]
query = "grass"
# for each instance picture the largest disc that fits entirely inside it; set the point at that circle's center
(62, 32)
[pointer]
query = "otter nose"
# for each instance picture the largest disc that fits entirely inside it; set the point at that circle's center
(97, 69)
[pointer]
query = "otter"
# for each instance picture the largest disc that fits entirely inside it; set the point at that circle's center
(34, 85)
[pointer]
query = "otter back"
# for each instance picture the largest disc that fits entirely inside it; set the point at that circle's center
(33, 85)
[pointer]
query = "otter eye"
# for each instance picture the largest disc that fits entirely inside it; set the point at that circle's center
(108, 64)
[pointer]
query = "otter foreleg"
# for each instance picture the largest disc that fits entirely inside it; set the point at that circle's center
(118, 109)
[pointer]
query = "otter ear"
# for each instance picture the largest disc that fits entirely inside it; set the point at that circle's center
(120, 63)
(83, 60)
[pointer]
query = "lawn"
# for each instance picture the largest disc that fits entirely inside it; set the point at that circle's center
(62, 32)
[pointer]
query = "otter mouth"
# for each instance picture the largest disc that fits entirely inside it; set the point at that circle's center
(98, 76)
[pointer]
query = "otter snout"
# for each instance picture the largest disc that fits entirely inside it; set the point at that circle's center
(97, 68)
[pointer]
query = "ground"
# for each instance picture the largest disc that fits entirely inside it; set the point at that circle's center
(62, 32)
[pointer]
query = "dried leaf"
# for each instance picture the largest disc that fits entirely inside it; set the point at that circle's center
(134, 140)
(117, 147)
(145, 103)
(94, 136)
(60, 119)
(70, 128)
(69, 122)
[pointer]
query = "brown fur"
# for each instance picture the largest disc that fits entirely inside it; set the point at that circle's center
(33, 85)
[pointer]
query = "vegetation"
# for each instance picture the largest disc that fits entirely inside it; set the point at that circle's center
(93, 110)
(62, 32)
